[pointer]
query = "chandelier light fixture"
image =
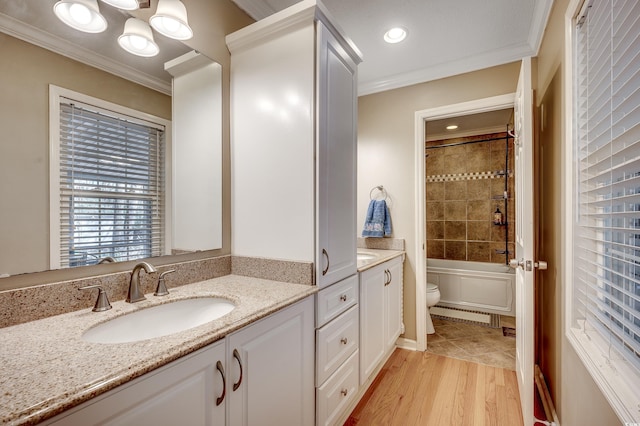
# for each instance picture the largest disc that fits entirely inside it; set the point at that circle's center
(169, 20)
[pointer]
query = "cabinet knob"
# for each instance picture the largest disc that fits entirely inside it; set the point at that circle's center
(343, 297)
(344, 392)
(344, 341)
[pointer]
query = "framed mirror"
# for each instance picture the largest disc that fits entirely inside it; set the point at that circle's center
(41, 51)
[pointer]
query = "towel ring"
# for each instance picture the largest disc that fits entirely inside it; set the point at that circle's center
(379, 188)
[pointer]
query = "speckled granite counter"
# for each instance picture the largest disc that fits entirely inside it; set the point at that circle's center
(46, 367)
(379, 256)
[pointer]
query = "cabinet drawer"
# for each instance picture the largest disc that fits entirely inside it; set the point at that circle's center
(334, 300)
(335, 342)
(335, 395)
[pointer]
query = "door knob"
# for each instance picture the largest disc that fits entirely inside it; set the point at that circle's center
(515, 263)
(527, 265)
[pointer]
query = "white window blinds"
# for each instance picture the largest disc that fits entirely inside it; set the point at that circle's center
(606, 262)
(111, 185)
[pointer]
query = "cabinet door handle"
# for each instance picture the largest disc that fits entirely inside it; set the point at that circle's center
(236, 355)
(343, 297)
(390, 277)
(344, 341)
(386, 277)
(224, 384)
(344, 392)
(325, 270)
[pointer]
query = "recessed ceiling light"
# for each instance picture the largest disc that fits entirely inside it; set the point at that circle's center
(395, 35)
(452, 127)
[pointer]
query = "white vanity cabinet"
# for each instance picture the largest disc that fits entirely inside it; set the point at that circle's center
(337, 348)
(270, 370)
(380, 314)
(268, 382)
(293, 141)
(190, 391)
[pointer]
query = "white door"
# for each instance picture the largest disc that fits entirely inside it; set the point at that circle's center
(336, 171)
(523, 260)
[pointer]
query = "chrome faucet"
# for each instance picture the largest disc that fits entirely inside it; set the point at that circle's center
(135, 295)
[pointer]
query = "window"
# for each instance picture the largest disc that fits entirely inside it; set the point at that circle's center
(605, 294)
(107, 182)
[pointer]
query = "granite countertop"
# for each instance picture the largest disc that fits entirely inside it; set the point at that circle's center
(379, 256)
(46, 367)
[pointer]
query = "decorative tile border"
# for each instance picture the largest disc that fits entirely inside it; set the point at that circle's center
(468, 176)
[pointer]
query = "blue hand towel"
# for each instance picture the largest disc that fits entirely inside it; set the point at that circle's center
(378, 220)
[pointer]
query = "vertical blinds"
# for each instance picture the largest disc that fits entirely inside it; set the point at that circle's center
(607, 158)
(111, 186)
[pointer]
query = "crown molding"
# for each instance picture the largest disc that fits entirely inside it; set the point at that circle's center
(461, 66)
(33, 35)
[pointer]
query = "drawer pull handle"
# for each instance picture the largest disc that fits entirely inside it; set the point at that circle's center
(343, 297)
(236, 355)
(344, 392)
(344, 341)
(224, 384)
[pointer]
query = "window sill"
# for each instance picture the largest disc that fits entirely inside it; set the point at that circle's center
(620, 386)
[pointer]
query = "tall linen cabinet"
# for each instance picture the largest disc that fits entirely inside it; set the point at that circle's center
(293, 133)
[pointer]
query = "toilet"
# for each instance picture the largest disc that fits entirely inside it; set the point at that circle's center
(433, 297)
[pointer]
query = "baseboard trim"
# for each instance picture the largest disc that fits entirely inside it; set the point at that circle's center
(409, 344)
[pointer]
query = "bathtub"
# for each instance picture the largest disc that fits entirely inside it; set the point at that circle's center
(476, 286)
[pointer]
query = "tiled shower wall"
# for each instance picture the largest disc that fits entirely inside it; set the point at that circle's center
(464, 186)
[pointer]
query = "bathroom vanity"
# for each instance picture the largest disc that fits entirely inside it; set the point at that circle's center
(228, 382)
(270, 333)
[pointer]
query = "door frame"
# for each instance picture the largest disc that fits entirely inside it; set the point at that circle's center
(421, 117)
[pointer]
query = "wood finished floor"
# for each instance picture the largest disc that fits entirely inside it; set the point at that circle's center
(422, 388)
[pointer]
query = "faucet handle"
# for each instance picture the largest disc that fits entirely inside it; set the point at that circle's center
(161, 290)
(102, 303)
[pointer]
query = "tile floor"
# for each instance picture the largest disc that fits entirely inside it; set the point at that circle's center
(474, 343)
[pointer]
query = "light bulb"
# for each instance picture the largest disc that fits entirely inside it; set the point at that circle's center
(171, 25)
(138, 42)
(80, 13)
(395, 35)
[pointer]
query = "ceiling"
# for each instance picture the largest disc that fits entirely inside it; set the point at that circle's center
(483, 123)
(445, 37)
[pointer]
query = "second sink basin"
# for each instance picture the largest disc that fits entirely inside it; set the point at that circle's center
(365, 256)
(160, 320)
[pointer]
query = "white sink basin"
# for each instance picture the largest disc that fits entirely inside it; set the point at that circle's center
(363, 256)
(160, 320)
